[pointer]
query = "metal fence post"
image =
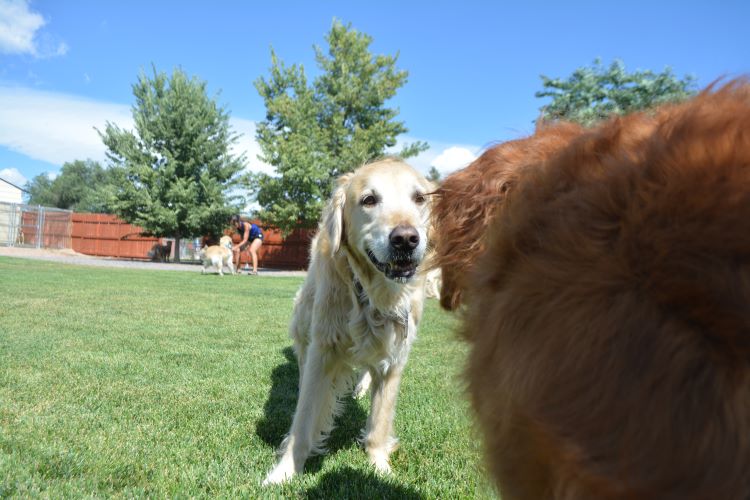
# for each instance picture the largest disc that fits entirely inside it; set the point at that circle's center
(12, 226)
(39, 225)
(69, 232)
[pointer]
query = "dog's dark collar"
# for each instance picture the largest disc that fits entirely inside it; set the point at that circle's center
(363, 300)
(361, 295)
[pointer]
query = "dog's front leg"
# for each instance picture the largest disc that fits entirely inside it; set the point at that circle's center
(313, 417)
(379, 440)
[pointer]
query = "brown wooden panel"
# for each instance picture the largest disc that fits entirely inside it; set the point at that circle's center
(107, 236)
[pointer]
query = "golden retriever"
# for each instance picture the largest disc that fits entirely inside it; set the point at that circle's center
(609, 316)
(359, 307)
(218, 256)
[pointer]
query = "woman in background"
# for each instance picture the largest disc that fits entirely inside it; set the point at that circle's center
(252, 239)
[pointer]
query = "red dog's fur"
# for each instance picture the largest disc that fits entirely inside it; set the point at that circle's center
(610, 313)
(467, 200)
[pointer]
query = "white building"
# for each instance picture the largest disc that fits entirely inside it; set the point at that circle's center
(10, 193)
(10, 214)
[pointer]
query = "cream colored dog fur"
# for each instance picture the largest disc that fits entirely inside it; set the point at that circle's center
(358, 308)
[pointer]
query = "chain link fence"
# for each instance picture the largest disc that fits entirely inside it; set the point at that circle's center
(35, 226)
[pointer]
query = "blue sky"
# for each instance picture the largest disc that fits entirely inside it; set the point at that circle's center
(66, 67)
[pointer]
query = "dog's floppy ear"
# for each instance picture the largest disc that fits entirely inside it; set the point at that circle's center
(333, 214)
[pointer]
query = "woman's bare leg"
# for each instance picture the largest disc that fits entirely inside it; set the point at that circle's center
(254, 246)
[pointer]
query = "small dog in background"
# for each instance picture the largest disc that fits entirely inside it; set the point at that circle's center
(160, 253)
(218, 256)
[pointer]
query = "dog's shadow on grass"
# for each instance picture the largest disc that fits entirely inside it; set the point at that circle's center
(279, 410)
(352, 483)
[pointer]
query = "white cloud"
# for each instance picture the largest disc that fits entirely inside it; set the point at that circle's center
(58, 128)
(62, 49)
(19, 30)
(247, 144)
(446, 158)
(13, 176)
(18, 25)
(453, 158)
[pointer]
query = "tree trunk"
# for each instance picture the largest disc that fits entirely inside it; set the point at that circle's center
(176, 249)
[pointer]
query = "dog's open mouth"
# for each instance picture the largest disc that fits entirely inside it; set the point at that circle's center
(399, 269)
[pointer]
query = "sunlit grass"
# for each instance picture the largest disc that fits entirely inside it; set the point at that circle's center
(129, 383)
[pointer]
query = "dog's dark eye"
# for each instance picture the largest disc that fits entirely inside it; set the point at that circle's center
(419, 198)
(369, 200)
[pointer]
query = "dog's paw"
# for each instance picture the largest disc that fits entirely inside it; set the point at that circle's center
(379, 458)
(380, 461)
(278, 475)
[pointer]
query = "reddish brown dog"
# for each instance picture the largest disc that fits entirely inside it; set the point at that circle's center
(467, 200)
(609, 315)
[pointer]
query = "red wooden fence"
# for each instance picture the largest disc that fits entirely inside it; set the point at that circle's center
(106, 235)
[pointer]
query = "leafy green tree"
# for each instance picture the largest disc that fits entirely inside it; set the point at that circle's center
(40, 191)
(178, 169)
(81, 186)
(312, 133)
(593, 93)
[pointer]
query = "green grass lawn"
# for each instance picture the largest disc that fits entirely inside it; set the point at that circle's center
(127, 383)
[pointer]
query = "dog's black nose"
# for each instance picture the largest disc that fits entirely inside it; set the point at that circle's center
(404, 238)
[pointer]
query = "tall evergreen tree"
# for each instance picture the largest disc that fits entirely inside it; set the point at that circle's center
(177, 164)
(312, 133)
(593, 93)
